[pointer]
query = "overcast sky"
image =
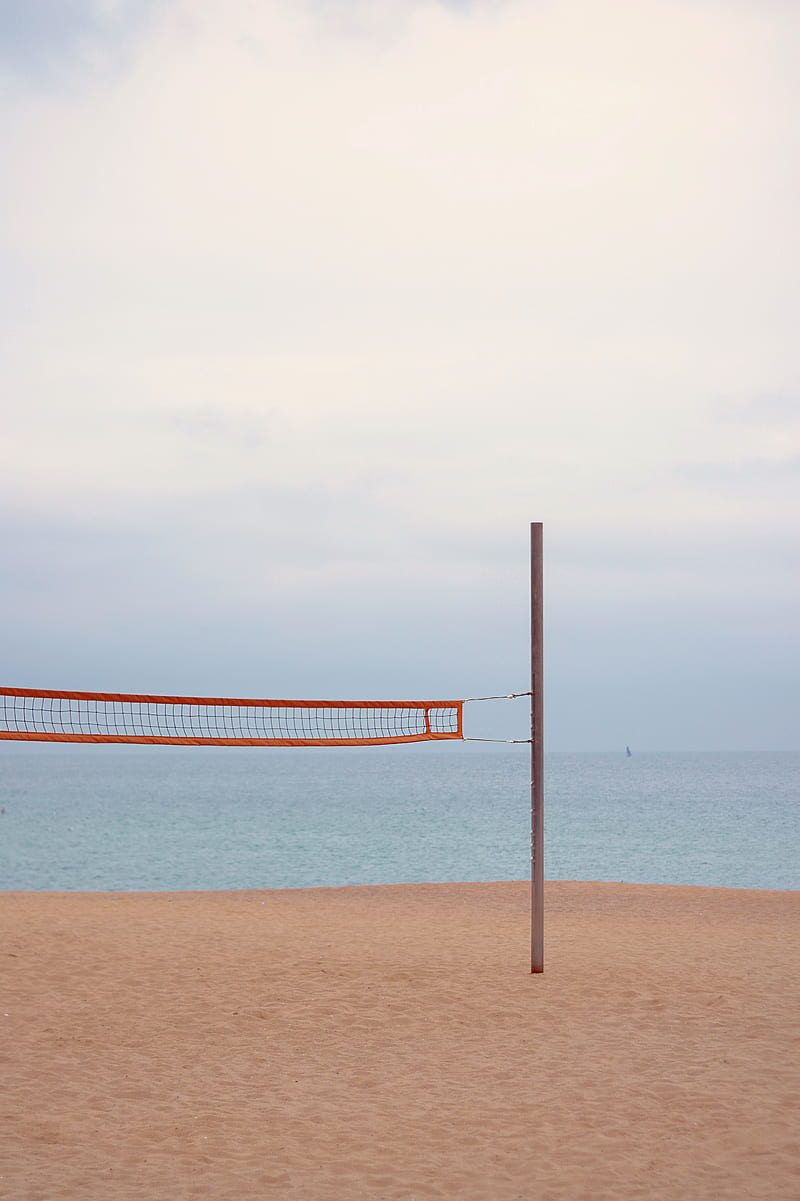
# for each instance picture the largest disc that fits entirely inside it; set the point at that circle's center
(307, 310)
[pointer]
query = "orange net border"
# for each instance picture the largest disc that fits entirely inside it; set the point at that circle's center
(44, 715)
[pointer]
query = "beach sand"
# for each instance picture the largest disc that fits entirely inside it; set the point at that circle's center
(391, 1043)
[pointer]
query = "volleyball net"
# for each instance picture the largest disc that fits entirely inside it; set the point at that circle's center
(41, 715)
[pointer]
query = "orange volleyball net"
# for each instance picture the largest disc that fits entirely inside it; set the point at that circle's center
(41, 715)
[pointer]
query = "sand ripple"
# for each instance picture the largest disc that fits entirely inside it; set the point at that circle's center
(390, 1043)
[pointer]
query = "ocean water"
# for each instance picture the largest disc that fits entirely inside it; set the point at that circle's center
(165, 818)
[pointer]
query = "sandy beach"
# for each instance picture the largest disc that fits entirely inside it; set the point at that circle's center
(390, 1043)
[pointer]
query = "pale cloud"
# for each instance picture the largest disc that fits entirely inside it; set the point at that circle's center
(55, 44)
(779, 411)
(369, 286)
(748, 474)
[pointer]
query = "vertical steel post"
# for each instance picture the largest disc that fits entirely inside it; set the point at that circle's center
(537, 751)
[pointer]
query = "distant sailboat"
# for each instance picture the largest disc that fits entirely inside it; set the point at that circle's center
(627, 752)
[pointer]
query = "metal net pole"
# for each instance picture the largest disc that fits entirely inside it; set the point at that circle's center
(537, 752)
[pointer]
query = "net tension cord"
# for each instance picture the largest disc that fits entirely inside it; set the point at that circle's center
(508, 696)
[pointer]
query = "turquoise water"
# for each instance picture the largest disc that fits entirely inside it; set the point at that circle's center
(163, 818)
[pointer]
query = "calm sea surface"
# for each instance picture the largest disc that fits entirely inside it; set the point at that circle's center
(163, 818)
